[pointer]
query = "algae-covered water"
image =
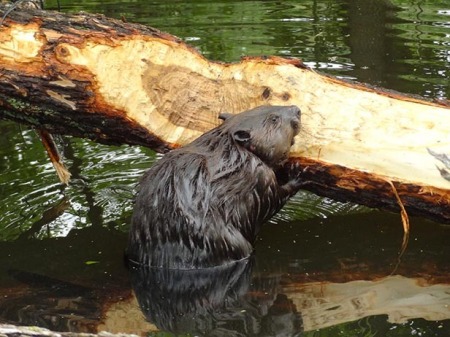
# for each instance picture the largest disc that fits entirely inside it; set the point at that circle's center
(321, 268)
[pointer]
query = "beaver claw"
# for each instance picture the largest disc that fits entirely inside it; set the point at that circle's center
(297, 177)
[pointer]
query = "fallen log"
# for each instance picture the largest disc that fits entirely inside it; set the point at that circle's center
(116, 82)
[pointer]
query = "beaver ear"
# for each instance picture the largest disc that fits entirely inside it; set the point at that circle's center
(241, 136)
(225, 115)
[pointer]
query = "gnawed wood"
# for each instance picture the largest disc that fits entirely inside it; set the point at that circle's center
(116, 82)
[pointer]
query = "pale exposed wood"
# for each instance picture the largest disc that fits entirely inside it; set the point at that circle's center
(118, 82)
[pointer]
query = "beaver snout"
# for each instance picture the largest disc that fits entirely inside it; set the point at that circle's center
(295, 114)
(295, 111)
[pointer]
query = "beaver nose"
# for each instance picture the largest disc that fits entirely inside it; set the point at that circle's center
(295, 111)
(295, 121)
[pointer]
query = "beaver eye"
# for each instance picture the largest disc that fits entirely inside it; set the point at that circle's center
(274, 119)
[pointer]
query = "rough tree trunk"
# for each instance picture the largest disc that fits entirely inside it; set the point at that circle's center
(115, 82)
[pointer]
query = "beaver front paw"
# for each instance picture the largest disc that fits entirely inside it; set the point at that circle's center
(297, 177)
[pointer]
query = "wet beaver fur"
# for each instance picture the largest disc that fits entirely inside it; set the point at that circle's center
(203, 204)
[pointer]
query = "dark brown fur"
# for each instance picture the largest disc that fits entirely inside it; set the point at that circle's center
(204, 204)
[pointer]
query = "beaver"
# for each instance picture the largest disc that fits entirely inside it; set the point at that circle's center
(203, 204)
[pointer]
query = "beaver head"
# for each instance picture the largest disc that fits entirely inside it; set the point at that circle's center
(266, 131)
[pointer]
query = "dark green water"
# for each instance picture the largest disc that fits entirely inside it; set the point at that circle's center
(61, 247)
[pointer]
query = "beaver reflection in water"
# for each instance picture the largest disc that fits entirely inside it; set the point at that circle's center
(203, 204)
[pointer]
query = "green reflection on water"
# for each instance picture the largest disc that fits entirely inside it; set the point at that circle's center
(34, 203)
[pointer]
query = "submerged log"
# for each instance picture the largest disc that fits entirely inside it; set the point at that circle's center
(115, 82)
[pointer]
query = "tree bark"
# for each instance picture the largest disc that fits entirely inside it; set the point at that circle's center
(115, 82)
